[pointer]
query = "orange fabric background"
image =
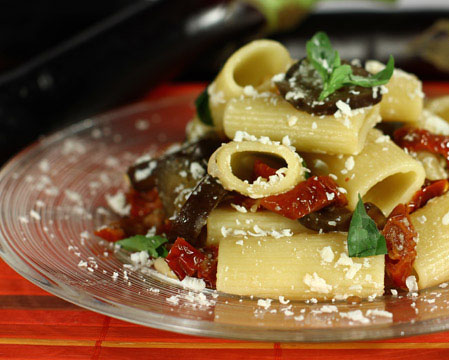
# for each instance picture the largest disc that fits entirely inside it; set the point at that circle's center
(37, 325)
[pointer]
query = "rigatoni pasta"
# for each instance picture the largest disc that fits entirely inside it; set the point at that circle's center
(286, 188)
(237, 221)
(302, 267)
(432, 225)
(249, 69)
(231, 159)
(403, 96)
(275, 118)
(382, 173)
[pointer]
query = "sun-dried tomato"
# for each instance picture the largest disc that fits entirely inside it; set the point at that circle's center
(143, 203)
(400, 236)
(110, 234)
(427, 192)
(185, 260)
(263, 170)
(308, 196)
(415, 139)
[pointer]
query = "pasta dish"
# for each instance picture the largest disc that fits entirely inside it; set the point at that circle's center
(312, 179)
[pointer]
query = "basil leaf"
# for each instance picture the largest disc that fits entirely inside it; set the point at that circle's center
(321, 55)
(364, 239)
(327, 63)
(151, 244)
(381, 78)
(203, 109)
(338, 79)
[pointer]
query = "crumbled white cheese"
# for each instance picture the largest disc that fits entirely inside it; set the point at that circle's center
(411, 283)
(286, 140)
(344, 108)
(193, 283)
(345, 260)
(249, 90)
(382, 139)
(142, 174)
(349, 163)
(422, 219)
(35, 215)
(327, 254)
(353, 270)
(282, 300)
(215, 97)
(118, 204)
(174, 300)
(239, 242)
(377, 312)
(239, 208)
(264, 303)
(139, 258)
(445, 219)
(317, 284)
(292, 120)
(73, 196)
(355, 315)
(278, 77)
(196, 170)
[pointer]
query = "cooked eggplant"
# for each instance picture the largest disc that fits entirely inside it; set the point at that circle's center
(174, 174)
(334, 218)
(302, 86)
(193, 215)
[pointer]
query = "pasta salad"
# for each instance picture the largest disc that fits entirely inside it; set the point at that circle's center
(319, 178)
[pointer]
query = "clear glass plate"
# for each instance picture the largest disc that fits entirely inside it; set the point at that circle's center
(53, 197)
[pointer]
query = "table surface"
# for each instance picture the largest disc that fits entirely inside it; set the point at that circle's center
(37, 325)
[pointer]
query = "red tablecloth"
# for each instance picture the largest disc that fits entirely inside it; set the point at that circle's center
(37, 325)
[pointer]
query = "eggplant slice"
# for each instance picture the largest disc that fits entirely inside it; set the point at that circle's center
(174, 174)
(192, 217)
(334, 218)
(302, 86)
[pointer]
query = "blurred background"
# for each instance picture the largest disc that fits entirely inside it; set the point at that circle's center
(64, 61)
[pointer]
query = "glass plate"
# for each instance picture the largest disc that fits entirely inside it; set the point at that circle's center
(53, 197)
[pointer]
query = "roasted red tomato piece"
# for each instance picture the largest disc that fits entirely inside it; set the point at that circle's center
(308, 196)
(110, 234)
(185, 260)
(400, 236)
(262, 169)
(427, 192)
(143, 203)
(415, 139)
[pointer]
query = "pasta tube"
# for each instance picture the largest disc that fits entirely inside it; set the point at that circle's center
(231, 159)
(224, 222)
(403, 100)
(300, 267)
(382, 173)
(251, 66)
(276, 118)
(432, 225)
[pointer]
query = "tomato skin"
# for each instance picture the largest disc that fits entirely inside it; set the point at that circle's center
(185, 260)
(427, 192)
(400, 236)
(143, 203)
(308, 196)
(415, 139)
(110, 234)
(263, 170)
